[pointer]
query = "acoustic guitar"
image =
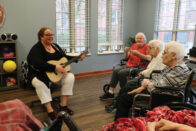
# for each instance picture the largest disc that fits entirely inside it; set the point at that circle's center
(56, 76)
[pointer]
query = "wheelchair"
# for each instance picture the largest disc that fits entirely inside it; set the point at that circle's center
(149, 101)
(133, 72)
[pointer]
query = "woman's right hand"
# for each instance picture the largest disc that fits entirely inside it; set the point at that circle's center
(138, 90)
(60, 69)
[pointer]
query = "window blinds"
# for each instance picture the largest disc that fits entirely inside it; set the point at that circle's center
(110, 25)
(176, 20)
(72, 25)
(176, 15)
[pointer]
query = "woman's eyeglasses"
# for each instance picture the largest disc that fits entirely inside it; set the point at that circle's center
(49, 34)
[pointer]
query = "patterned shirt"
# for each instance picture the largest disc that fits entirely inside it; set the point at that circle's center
(174, 77)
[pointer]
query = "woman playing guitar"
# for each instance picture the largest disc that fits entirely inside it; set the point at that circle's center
(42, 52)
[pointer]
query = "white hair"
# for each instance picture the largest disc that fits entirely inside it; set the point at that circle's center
(143, 35)
(157, 44)
(177, 48)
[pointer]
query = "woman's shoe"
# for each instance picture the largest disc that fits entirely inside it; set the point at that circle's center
(52, 115)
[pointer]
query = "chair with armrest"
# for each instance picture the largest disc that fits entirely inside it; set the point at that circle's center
(185, 101)
(122, 62)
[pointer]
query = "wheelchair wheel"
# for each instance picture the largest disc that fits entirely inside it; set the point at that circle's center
(106, 88)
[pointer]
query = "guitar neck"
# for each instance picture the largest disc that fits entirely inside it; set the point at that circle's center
(73, 59)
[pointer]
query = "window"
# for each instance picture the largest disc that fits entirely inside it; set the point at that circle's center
(110, 26)
(72, 25)
(176, 20)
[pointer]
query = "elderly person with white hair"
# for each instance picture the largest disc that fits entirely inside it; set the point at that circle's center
(174, 75)
(134, 54)
(155, 51)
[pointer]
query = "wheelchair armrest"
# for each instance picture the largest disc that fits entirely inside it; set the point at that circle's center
(144, 61)
(154, 72)
(192, 61)
(134, 101)
(169, 88)
(123, 61)
(140, 95)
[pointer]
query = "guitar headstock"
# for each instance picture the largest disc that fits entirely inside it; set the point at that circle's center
(84, 52)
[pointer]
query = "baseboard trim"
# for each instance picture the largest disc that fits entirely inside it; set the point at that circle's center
(93, 73)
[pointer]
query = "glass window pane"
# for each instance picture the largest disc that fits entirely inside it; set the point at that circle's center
(102, 48)
(186, 20)
(80, 25)
(115, 48)
(62, 23)
(116, 21)
(165, 36)
(166, 15)
(187, 15)
(101, 21)
(110, 24)
(186, 38)
(72, 25)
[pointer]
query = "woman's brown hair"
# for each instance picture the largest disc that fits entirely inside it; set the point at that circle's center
(41, 32)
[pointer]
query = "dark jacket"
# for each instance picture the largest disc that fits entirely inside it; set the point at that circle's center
(37, 61)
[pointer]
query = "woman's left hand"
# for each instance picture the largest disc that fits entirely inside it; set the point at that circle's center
(138, 90)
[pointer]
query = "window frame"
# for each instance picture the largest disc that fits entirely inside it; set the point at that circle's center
(108, 44)
(176, 21)
(71, 30)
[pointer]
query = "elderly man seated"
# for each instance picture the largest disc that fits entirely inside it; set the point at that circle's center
(137, 52)
(155, 51)
(174, 75)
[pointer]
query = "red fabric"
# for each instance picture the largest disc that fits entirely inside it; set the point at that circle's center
(187, 117)
(16, 116)
(133, 59)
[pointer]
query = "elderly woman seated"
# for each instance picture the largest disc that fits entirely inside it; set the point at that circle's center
(174, 75)
(134, 54)
(155, 51)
